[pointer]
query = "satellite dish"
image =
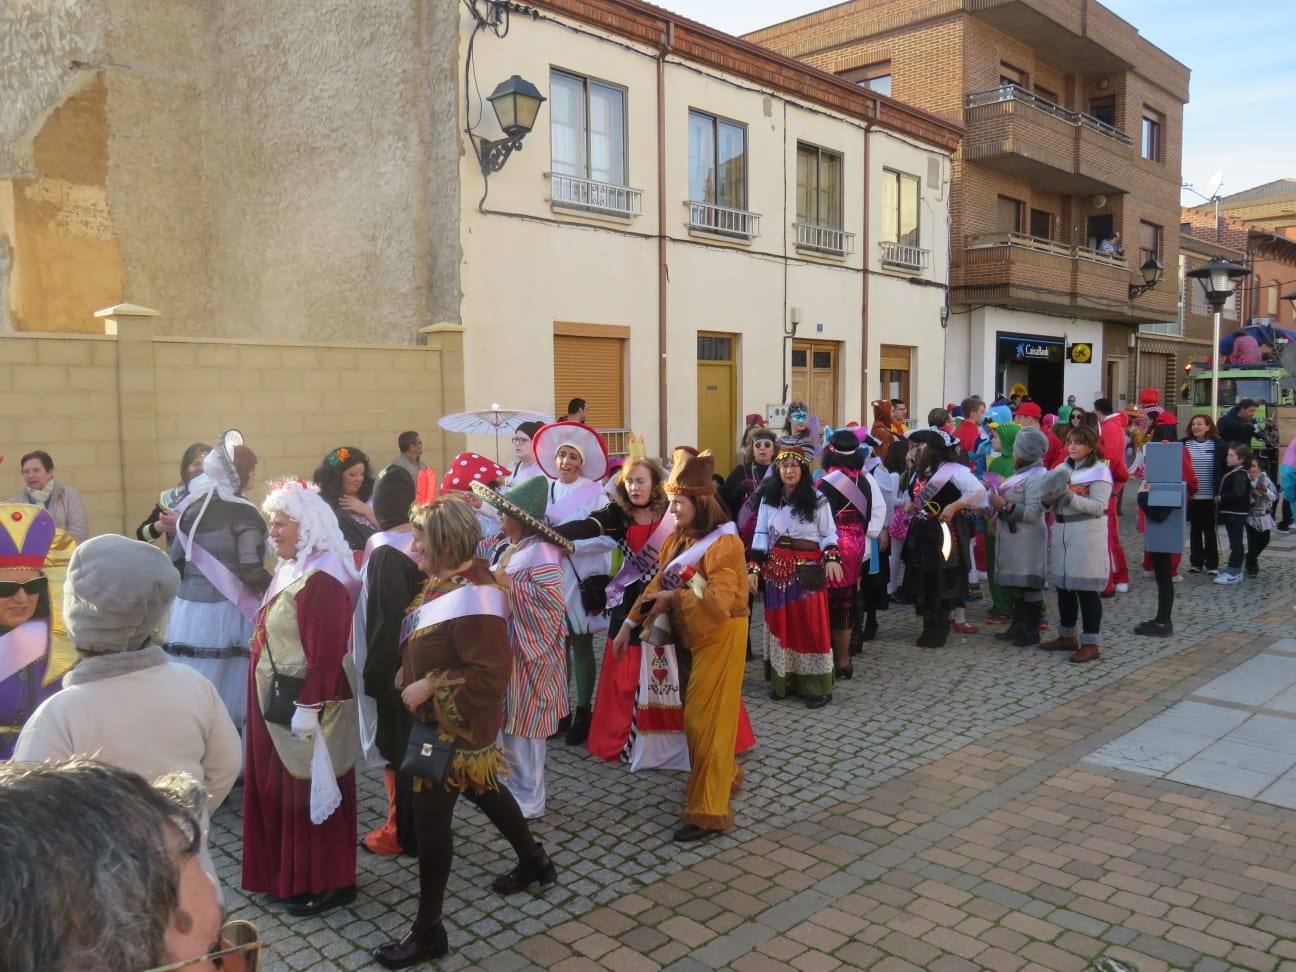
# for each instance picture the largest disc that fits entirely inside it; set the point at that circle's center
(1213, 187)
(1099, 202)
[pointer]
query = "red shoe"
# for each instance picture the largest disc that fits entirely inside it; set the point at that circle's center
(963, 627)
(995, 616)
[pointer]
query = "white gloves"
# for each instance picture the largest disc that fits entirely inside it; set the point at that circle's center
(305, 723)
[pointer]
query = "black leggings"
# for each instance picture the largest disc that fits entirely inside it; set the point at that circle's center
(1165, 586)
(433, 820)
(1203, 549)
(1257, 540)
(1087, 605)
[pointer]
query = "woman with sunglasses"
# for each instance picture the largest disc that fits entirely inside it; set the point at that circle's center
(26, 533)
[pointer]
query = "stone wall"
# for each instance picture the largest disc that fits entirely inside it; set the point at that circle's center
(117, 411)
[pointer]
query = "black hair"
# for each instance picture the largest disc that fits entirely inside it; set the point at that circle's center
(1103, 405)
(804, 499)
(189, 456)
(329, 477)
(575, 405)
(897, 401)
(1243, 452)
(1244, 403)
(40, 454)
(1164, 433)
(933, 457)
(406, 439)
(895, 457)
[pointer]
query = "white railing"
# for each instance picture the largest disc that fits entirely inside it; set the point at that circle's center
(1011, 92)
(1040, 245)
(710, 218)
(824, 239)
(617, 441)
(571, 192)
(903, 256)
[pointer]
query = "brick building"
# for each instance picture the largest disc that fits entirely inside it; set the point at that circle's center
(1074, 130)
(1261, 223)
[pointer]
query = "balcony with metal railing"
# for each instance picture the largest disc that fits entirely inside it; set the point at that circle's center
(824, 239)
(1016, 131)
(585, 195)
(705, 217)
(902, 256)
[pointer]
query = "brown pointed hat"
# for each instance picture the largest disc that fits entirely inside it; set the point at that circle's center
(691, 473)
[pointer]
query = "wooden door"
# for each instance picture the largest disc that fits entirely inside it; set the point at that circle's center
(717, 399)
(814, 377)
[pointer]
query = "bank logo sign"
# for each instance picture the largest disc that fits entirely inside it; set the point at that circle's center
(1081, 353)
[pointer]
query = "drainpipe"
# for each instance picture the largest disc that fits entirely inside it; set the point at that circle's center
(865, 419)
(663, 271)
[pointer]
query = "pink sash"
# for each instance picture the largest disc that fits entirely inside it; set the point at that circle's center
(565, 508)
(536, 554)
(217, 574)
(672, 575)
(23, 646)
(400, 539)
(465, 602)
(839, 481)
(641, 563)
(327, 561)
(934, 485)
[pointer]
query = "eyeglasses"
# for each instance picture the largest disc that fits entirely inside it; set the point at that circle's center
(236, 949)
(520, 440)
(32, 588)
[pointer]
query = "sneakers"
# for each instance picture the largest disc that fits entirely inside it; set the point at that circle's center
(1177, 579)
(1227, 578)
(1122, 588)
(1213, 572)
(1195, 570)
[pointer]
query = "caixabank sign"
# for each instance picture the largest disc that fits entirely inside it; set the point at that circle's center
(1028, 349)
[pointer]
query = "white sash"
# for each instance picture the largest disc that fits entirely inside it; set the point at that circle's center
(327, 561)
(564, 509)
(641, 563)
(22, 646)
(1098, 472)
(1021, 476)
(536, 554)
(839, 481)
(402, 540)
(217, 574)
(934, 485)
(671, 576)
(469, 600)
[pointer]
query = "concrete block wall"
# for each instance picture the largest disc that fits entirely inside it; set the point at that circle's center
(117, 412)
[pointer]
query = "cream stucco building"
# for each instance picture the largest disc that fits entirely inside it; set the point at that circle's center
(695, 229)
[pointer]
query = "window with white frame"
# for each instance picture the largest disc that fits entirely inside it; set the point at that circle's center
(587, 128)
(900, 195)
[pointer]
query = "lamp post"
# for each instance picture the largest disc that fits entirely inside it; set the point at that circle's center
(516, 103)
(1219, 278)
(1291, 299)
(1151, 270)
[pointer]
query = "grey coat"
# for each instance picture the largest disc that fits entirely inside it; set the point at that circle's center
(1078, 556)
(1021, 537)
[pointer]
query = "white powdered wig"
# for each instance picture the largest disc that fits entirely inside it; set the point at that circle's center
(317, 525)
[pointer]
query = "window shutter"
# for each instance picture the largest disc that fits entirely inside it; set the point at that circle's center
(591, 368)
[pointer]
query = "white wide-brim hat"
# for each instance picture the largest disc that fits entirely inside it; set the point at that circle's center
(546, 443)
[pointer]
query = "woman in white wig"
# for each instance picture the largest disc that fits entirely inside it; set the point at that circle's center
(299, 799)
(220, 550)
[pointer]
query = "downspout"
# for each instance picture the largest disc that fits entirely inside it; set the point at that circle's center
(663, 271)
(864, 289)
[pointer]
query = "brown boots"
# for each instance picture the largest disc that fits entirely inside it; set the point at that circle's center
(1087, 653)
(1079, 653)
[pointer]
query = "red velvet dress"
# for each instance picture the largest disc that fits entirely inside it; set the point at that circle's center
(284, 854)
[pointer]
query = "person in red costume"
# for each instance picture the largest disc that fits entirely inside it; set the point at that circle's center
(1111, 440)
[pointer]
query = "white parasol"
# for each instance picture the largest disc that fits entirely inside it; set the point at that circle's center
(488, 421)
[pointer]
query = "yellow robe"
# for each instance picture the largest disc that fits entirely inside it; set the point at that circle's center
(714, 629)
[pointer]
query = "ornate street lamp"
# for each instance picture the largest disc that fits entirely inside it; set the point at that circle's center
(1151, 271)
(1291, 299)
(1219, 279)
(516, 103)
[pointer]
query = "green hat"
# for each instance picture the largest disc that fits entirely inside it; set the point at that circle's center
(526, 502)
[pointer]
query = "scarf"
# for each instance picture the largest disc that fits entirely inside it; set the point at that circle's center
(41, 497)
(93, 668)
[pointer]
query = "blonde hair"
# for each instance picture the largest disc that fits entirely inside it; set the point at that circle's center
(658, 500)
(450, 531)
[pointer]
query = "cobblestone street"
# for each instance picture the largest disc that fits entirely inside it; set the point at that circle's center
(940, 814)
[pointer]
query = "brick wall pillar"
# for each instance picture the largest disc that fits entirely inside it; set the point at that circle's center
(137, 407)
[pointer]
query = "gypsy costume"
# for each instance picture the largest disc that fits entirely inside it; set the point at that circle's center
(858, 511)
(708, 614)
(302, 630)
(34, 655)
(937, 555)
(220, 550)
(798, 640)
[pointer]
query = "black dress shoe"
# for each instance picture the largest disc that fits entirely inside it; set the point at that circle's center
(411, 950)
(538, 868)
(1154, 629)
(316, 904)
(817, 701)
(689, 833)
(842, 674)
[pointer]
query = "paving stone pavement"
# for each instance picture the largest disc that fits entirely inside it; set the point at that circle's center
(933, 816)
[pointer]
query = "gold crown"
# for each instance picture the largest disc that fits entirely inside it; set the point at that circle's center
(637, 451)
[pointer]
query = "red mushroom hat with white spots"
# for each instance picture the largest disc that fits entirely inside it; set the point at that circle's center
(552, 437)
(468, 468)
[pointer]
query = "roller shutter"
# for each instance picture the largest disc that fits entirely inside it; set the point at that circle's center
(592, 368)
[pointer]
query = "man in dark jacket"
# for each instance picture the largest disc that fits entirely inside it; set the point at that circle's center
(1238, 423)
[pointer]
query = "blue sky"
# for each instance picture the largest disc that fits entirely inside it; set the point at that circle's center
(1241, 117)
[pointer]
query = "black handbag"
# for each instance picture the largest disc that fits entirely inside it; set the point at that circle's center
(427, 755)
(593, 591)
(281, 706)
(812, 575)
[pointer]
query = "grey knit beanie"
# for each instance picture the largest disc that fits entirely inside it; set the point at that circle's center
(116, 593)
(1030, 445)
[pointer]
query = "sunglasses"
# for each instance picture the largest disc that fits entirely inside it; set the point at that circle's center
(32, 588)
(236, 949)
